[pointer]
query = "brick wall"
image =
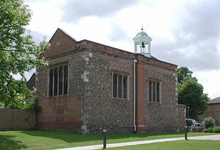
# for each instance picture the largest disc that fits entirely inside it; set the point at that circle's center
(116, 114)
(103, 110)
(163, 116)
(62, 43)
(140, 101)
(61, 112)
(182, 117)
(213, 111)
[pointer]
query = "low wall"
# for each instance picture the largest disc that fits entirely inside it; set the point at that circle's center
(182, 117)
(15, 119)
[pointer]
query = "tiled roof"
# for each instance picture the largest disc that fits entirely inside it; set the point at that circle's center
(215, 101)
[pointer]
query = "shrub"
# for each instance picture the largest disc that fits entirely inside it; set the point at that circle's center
(210, 129)
(209, 122)
(216, 129)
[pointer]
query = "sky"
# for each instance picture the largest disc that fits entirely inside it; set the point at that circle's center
(183, 32)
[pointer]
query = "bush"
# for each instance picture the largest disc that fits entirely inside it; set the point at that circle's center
(209, 122)
(216, 129)
(210, 129)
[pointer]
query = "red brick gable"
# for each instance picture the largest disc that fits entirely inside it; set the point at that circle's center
(60, 43)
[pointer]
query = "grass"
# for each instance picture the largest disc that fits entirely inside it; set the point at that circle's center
(35, 140)
(180, 145)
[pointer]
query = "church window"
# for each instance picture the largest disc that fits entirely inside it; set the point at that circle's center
(154, 91)
(120, 86)
(58, 80)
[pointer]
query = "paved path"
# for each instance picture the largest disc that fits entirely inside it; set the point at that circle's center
(93, 147)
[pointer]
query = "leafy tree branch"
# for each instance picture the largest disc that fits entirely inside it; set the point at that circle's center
(18, 53)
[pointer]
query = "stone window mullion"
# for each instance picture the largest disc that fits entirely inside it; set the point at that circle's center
(154, 91)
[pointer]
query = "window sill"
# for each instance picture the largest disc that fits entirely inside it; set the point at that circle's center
(154, 102)
(57, 96)
(120, 99)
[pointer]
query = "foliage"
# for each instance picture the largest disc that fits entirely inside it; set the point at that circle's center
(191, 94)
(34, 105)
(18, 53)
(216, 129)
(183, 73)
(209, 122)
(210, 129)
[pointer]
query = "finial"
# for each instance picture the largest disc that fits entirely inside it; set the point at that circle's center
(142, 27)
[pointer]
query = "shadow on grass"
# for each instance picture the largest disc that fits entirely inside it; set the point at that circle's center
(67, 136)
(9, 142)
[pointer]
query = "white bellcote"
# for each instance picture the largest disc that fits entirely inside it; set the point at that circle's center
(142, 43)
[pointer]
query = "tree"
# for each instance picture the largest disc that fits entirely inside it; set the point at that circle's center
(191, 93)
(183, 72)
(18, 53)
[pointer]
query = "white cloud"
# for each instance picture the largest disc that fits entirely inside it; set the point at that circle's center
(46, 16)
(77, 9)
(185, 33)
(210, 81)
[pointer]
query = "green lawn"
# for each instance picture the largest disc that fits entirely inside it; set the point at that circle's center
(63, 139)
(177, 145)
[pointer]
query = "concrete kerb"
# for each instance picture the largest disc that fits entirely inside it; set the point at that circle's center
(93, 147)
